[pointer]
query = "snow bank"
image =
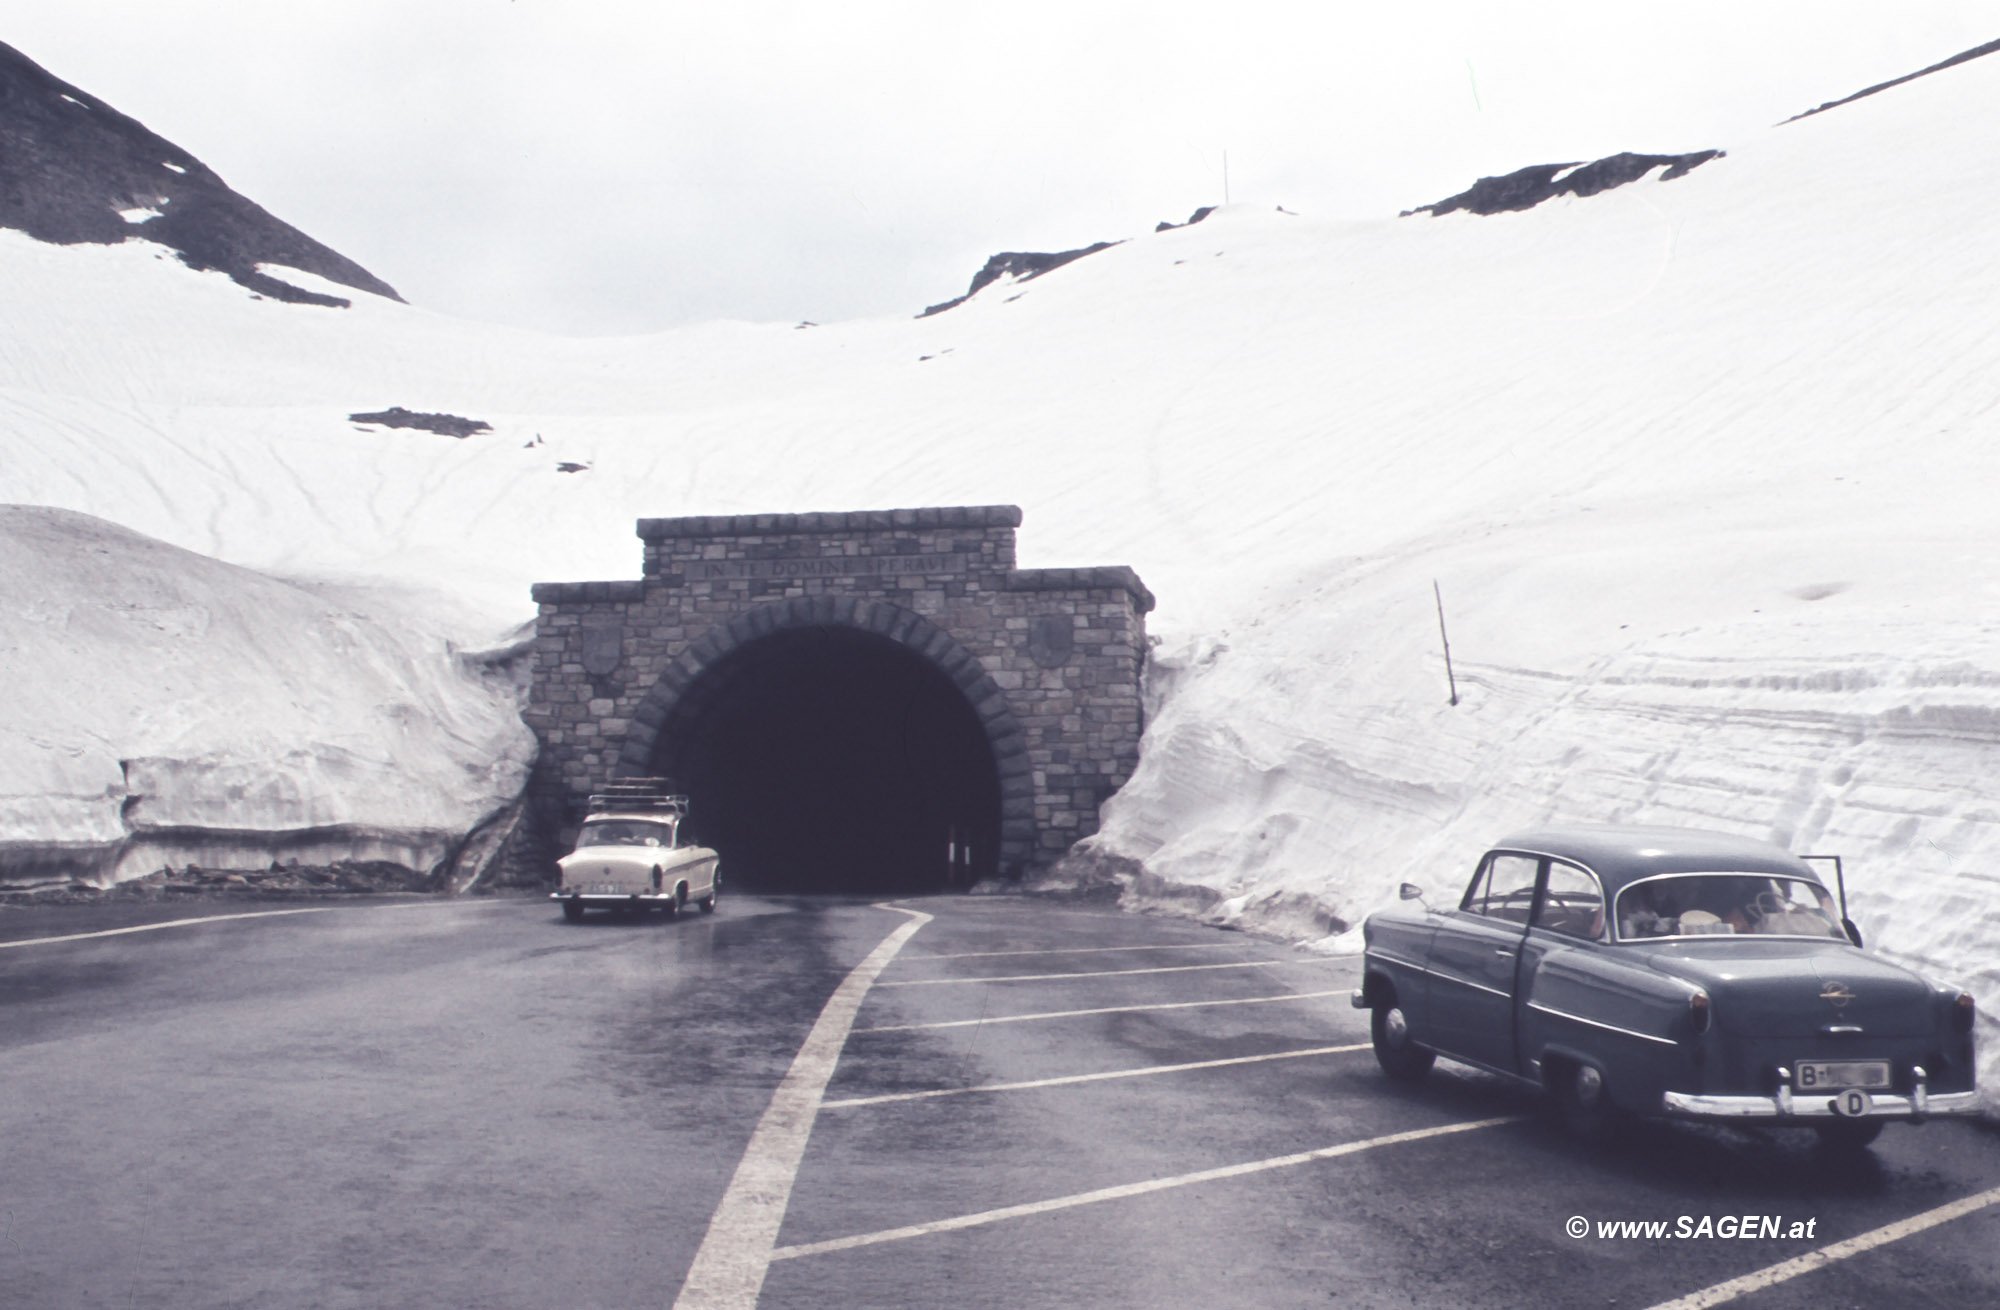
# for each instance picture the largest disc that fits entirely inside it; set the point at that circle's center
(1298, 767)
(167, 709)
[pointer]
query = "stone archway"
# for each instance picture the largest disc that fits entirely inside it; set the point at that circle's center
(1043, 663)
(953, 765)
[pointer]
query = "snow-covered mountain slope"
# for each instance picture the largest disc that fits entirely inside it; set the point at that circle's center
(73, 169)
(1702, 468)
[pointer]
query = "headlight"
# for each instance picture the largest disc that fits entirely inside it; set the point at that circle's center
(1961, 1012)
(1698, 1011)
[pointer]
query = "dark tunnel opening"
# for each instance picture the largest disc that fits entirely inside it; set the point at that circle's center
(832, 759)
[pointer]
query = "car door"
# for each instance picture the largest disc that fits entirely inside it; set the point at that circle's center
(1475, 958)
(1569, 917)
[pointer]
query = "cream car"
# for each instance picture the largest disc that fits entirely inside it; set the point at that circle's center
(629, 856)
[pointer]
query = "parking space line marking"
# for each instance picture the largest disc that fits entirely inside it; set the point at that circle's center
(211, 918)
(1071, 1079)
(1130, 1190)
(1119, 973)
(1082, 950)
(1826, 1255)
(736, 1252)
(1108, 1009)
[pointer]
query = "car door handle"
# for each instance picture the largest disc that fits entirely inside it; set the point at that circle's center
(1504, 952)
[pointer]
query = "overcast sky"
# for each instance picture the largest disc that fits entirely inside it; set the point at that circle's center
(605, 166)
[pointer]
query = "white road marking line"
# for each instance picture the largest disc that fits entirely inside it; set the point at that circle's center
(1117, 973)
(1128, 1190)
(1108, 1009)
(1081, 950)
(222, 918)
(729, 1268)
(155, 927)
(1073, 1079)
(1826, 1255)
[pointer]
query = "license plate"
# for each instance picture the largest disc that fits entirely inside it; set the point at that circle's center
(1827, 1075)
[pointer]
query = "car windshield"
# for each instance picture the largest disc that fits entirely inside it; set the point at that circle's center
(1702, 904)
(625, 832)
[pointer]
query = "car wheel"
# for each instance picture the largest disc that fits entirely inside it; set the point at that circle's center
(1584, 1103)
(1848, 1134)
(1400, 1058)
(707, 903)
(573, 911)
(672, 906)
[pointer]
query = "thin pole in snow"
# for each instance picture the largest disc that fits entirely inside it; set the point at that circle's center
(1436, 591)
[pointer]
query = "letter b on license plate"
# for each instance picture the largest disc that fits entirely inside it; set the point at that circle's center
(1831, 1075)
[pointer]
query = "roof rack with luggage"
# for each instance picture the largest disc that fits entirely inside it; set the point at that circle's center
(638, 796)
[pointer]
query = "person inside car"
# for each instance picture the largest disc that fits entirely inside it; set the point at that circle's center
(1643, 911)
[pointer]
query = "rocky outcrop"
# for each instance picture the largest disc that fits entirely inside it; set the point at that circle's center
(73, 171)
(1022, 265)
(1974, 53)
(1195, 217)
(1524, 188)
(445, 425)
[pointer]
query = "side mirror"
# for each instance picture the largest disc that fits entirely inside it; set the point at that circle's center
(1853, 933)
(1409, 891)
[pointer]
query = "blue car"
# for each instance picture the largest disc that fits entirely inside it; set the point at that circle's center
(1666, 972)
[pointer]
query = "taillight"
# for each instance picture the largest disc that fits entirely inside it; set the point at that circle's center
(1698, 1011)
(1961, 1012)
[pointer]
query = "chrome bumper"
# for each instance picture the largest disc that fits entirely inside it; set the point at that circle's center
(1785, 1104)
(613, 898)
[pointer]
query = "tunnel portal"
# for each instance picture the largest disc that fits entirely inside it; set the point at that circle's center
(877, 701)
(833, 759)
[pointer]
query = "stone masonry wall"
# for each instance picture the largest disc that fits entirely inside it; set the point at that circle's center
(1049, 659)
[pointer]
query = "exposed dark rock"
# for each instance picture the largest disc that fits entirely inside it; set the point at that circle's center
(447, 425)
(1085, 872)
(75, 171)
(1019, 264)
(1024, 264)
(1527, 187)
(279, 881)
(1973, 53)
(1193, 218)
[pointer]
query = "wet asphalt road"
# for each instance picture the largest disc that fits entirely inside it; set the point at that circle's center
(475, 1104)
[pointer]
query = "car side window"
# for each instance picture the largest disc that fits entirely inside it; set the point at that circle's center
(1573, 904)
(1504, 888)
